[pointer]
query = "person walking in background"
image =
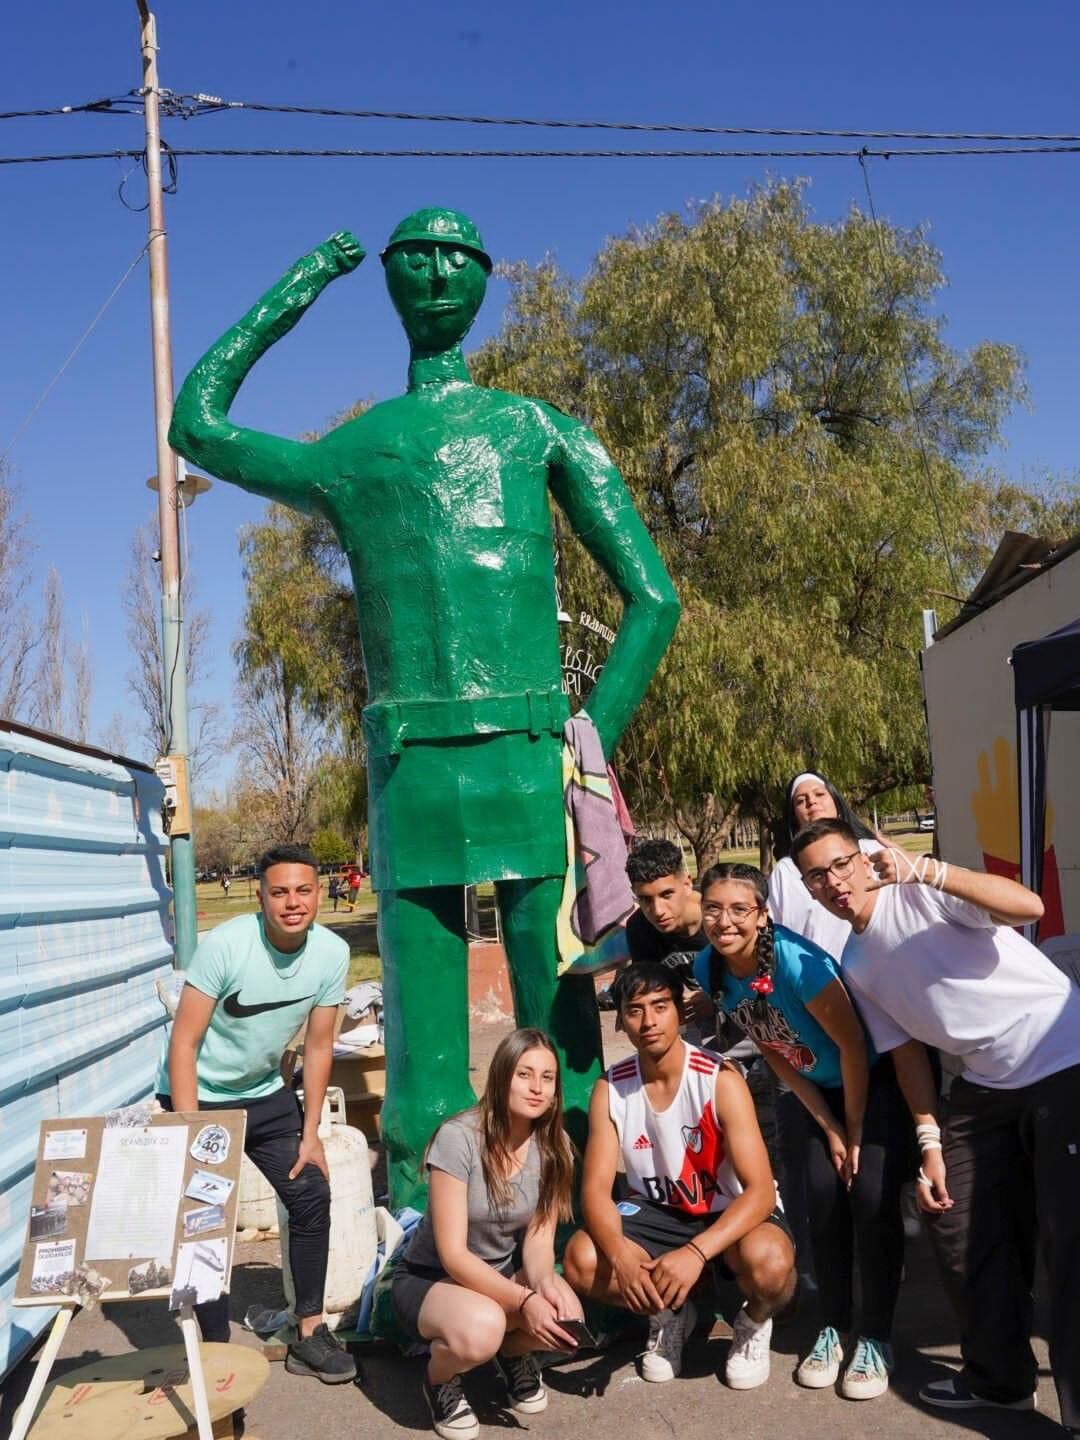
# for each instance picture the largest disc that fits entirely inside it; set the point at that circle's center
(333, 890)
(477, 1280)
(352, 880)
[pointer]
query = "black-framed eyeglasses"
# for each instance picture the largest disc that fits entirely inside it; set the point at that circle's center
(840, 869)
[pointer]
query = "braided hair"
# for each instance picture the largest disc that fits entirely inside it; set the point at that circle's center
(762, 983)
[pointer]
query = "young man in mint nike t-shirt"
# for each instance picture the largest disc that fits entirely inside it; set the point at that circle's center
(250, 986)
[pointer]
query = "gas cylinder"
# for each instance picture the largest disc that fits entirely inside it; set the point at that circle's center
(353, 1236)
(256, 1205)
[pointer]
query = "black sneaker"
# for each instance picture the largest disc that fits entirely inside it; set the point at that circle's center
(451, 1414)
(523, 1382)
(319, 1354)
(954, 1393)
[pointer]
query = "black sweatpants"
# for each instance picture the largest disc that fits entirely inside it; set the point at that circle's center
(1013, 1169)
(272, 1142)
(866, 1219)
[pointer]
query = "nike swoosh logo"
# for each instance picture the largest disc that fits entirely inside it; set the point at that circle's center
(239, 1011)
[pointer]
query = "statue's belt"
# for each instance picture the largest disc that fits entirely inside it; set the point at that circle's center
(389, 725)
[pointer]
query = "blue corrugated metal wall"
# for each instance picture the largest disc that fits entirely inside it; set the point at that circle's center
(84, 937)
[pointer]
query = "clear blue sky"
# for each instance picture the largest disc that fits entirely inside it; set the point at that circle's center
(1007, 227)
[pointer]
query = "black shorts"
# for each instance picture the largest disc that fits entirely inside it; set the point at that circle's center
(659, 1228)
(410, 1285)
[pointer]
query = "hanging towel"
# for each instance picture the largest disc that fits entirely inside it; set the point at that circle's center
(597, 899)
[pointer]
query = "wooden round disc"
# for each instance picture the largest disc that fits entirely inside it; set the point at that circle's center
(146, 1394)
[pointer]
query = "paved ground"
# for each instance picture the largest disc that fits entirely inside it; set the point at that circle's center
(600, 1393)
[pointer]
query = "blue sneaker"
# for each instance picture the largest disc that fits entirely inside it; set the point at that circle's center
(868, 1371)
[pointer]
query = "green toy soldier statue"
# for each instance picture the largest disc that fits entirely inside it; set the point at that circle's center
(439, 498)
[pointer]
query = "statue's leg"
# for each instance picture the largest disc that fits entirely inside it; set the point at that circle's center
(426, 1011)
(566, 1008)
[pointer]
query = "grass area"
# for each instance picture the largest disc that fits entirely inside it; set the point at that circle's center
(357, 927)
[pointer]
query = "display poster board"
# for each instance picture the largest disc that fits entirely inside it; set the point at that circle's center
(132, 1206)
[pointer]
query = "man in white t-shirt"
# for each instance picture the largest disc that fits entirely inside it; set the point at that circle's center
(931, 957)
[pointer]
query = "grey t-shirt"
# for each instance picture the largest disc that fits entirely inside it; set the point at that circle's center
(493, 1233)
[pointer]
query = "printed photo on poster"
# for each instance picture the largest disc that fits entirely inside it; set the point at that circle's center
(206, 1218)
(214, 1189)
(150, 1275)
(54, 1268)
(47, 1221)
(64, 1145)
(200, 1273)
(69, 1187)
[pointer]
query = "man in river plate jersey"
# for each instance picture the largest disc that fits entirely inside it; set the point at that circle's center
(699, 1188)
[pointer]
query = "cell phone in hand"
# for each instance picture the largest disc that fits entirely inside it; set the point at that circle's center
(579, 1331)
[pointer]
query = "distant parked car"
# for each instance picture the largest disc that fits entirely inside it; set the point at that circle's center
(928, 822)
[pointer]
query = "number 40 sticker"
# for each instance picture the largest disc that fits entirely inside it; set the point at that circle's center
(211, 1145)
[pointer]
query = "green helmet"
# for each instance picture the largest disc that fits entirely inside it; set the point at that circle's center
(450, 227)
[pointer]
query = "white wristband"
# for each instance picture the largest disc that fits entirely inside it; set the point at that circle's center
(925, 1145)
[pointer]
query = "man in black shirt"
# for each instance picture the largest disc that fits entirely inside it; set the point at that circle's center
(667, 925)
(666, 928)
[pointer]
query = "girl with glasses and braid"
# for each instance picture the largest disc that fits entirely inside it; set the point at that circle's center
(853, 1131)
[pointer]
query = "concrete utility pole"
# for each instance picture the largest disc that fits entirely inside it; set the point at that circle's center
(181, 842)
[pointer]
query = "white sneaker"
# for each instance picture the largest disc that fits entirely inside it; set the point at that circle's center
(748, 1359)
(821, 1367)
(669, 1331)
(867, 1374)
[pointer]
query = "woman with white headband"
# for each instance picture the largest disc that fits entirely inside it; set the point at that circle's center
(810, 797)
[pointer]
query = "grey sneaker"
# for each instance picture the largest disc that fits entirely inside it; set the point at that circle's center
(451, 1414)
(321, 1355)
(668, 1332)
(523, 1383)
(821, 1368)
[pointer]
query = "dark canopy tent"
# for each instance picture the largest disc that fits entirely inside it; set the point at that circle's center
(1046, 677)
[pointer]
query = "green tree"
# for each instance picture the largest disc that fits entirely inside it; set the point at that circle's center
(301, 682)
(330, 847)
(746, 366)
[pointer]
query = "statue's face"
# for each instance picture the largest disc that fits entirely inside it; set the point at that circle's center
(437, 290)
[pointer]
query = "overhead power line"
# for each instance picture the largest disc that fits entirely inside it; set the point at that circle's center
(189, 105)
(648, 127)
(420, 154)
(73, 352)
(111, 105)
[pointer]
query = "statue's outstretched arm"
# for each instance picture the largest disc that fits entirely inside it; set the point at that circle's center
(593, 496)
(201, 430)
